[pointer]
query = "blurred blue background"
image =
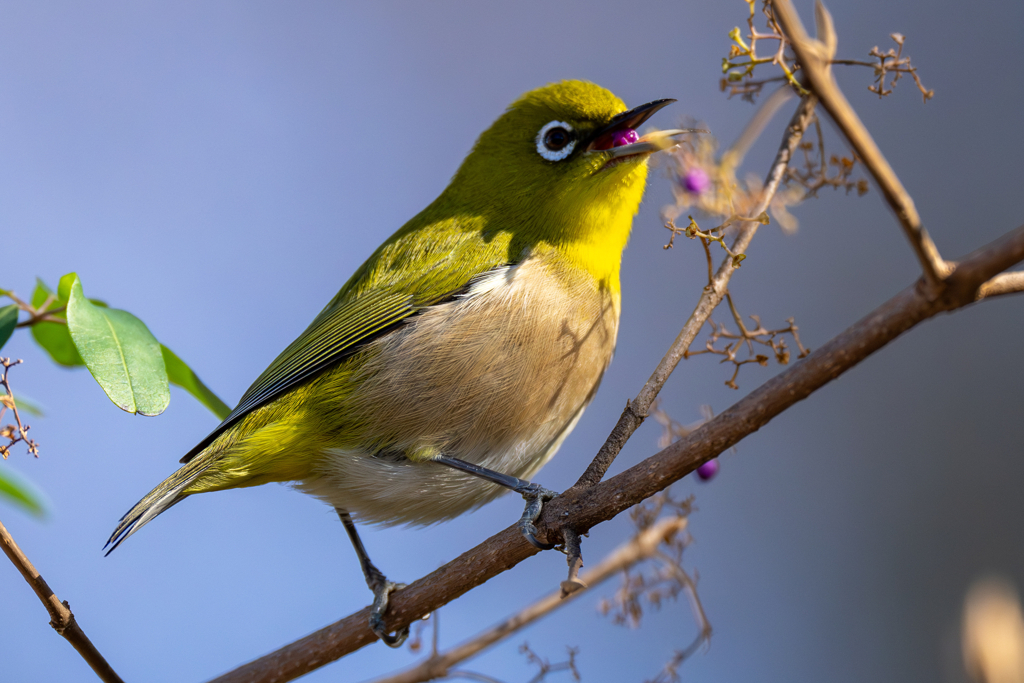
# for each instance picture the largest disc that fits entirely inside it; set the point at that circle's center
(220, 169)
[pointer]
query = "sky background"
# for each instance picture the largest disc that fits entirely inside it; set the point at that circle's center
(220, 168)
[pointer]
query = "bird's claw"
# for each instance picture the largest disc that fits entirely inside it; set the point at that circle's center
(381, 594)
(535, 497)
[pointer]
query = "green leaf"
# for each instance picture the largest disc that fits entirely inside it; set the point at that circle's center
(54, 337)
(8, 321)
(120, 352)
(64, 287)
(56, 341)
(20, 493)
(182, 375)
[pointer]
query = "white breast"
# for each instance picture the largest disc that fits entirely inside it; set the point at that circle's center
(497, 377)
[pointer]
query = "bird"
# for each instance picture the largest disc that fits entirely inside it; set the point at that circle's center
(453, 363)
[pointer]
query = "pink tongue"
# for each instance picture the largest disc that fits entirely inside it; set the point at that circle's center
(624, 137)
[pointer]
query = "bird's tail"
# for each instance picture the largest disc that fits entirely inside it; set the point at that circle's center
(164, 496)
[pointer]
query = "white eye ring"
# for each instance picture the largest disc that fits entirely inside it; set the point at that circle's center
(554, 154)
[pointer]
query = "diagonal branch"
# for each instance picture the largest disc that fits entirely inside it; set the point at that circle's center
(814, 56)
(583, 508)
(641, 547)
(61, 618)
(637, 409)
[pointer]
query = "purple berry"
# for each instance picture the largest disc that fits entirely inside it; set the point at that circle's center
(708, 470)
(696, 180)
(624, 137)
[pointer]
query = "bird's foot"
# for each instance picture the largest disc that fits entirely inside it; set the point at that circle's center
(535, 497)
(534, 494)
(381, 595)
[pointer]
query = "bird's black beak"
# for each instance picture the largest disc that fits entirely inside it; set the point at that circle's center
(604, 137)
(618, 137)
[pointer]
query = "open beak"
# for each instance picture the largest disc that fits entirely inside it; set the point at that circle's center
(618, 137)
(653, 142)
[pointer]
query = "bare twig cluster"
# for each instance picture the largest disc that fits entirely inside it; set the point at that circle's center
(17, 432)
(745, 339)
(546, 667)
(892, 62)
(625, 607)
(716, 234)
(815, 172)
(661, 580)
(738, 67)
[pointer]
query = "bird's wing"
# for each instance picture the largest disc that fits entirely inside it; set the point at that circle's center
(378, 297)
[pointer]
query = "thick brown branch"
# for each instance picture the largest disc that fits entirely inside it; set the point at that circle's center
(814, 60)
(637, 409)
(584, 508)
(641, 547)
(61, 618)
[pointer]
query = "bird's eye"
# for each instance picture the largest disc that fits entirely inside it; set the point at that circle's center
(555, 141)
(556, 138)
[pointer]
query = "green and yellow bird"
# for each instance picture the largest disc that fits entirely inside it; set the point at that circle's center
(456, 360)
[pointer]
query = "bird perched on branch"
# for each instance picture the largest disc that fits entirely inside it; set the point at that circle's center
(454, 362)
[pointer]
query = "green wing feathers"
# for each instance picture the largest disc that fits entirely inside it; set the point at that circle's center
(416, 268)
(273, 432)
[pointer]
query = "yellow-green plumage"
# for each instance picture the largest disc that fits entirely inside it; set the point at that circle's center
(480, 331)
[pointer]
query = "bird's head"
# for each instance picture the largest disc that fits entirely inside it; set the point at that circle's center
(564, 164)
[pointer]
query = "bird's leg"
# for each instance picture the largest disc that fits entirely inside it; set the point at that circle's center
(378, 583)
(534, 494)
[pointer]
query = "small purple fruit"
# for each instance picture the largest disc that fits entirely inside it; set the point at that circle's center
(696, 180)
(624, 137)
(708, 470)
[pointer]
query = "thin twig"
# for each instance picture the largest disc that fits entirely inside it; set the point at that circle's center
(814, 57)
(637, 409)
(19, 431)
(641, 547)
(38, 314)
(61, 618)
(582, 509)
(1004, 283)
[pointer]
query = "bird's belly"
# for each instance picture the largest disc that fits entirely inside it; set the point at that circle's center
(497, 377)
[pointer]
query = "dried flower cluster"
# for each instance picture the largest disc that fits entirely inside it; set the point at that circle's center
(17, 432)
(738, 67)
(660, 580)
(744, 340)
(545, 667)
(892, 62)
